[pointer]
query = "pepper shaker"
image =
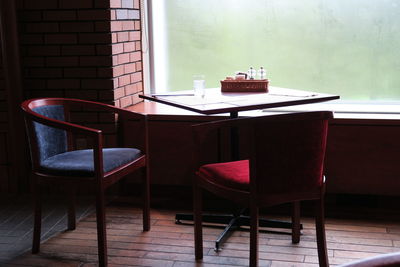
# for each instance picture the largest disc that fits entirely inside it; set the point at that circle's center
(251, 73)
(262, 73)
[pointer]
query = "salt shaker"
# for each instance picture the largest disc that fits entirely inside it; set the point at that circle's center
(262, 73)
(251, 73)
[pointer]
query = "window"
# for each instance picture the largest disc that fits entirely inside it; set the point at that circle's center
(345, 47)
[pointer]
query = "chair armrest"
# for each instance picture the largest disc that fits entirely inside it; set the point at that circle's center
(125, 114)
(35, 117)
(125, 117)
(211, 141)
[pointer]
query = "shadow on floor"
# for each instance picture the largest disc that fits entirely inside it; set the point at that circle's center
(16, 222)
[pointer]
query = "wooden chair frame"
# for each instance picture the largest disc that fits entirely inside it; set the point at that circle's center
(101, 181)
(250, 198)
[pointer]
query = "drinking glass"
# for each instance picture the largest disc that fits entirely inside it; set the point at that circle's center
(199, 85)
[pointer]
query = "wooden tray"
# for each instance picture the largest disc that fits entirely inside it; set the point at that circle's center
(244, 85)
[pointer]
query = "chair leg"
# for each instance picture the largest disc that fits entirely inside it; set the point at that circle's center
(197, 217)
(101, 228)
(146, 199)
(296, 222)
(37, 225)
(320, 232)
(71, 209)
(254, 220)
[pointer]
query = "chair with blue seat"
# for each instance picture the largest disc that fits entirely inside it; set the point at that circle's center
(55, 159)
(282, 163)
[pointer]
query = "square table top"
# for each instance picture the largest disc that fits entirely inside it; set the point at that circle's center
(215, 101)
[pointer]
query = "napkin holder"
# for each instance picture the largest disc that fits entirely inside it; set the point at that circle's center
(244, 86)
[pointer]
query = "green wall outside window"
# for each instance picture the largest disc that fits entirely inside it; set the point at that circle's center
(346, 47)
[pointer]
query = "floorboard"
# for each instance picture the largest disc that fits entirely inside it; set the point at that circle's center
(16, 223)
(169, 244)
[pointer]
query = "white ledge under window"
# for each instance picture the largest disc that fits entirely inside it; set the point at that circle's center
(350, 110)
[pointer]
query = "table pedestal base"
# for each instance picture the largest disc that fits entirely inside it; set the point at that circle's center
(234, 222)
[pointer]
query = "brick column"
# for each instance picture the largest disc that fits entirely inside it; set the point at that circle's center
(82, 49)
(126, 51)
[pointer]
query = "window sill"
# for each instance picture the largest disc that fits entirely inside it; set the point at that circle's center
(349, 110)
(157, 111)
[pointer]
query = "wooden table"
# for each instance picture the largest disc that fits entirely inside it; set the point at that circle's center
(216, 102)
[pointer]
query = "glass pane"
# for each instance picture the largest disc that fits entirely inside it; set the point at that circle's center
(345, 47)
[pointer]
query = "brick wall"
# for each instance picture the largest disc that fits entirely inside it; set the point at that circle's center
(126, 51)
(82, 49)
(66, 49)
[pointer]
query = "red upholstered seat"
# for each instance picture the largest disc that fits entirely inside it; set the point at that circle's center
(234, 174)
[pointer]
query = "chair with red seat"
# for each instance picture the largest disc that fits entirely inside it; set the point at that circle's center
(56, 161)
(283, 164)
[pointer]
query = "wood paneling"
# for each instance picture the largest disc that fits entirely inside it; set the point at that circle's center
(362, 154)
(4, 161)
(363, 159)
(170, 149)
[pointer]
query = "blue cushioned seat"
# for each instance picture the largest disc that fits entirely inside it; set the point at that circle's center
(56, 160)
(80, 162)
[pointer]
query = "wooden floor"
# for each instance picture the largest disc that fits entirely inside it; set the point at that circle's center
(168, 244)
(16, 222)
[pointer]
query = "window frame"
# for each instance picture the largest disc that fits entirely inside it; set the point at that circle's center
(154, 79)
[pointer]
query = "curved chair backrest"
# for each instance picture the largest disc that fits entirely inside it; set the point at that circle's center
(287, 154)
(50, 141)
(45, 141)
